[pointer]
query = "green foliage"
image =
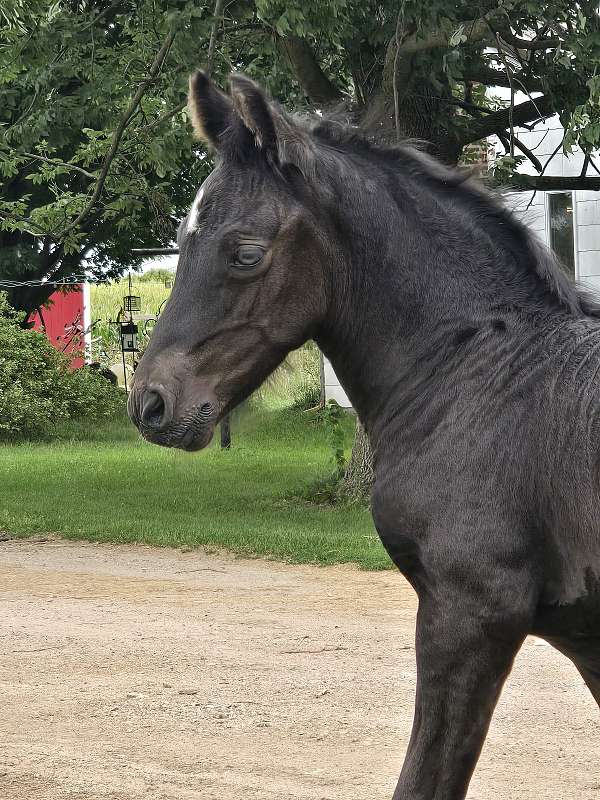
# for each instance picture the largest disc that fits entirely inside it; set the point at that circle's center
(296, 384)
(338, 426)
(68, 74)
(305, 382)
(89, 396)
(156, 275)
(504, 167)
(333, 418)
(37, 388)
(453, 45)
(306, 393)
(86, 170)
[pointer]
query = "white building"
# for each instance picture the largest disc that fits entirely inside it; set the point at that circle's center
(567, 221)
(333, 388)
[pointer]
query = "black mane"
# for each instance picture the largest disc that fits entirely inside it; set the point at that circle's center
(499, 223)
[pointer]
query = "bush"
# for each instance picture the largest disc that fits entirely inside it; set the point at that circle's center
(306, 387)
(37, 387)
(90, 395)
(306, 394)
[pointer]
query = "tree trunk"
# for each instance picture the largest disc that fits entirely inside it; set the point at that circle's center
(358, 477)
(40, 265)
(29, 298)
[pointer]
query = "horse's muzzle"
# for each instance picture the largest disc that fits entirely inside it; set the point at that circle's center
(153, 410)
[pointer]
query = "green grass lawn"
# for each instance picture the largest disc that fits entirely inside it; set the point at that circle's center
(108, 485)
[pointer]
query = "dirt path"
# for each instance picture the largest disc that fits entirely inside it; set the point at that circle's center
(128, 672)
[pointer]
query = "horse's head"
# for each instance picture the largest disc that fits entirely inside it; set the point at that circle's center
(250, 282)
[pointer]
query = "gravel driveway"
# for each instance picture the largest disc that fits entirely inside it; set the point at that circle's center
(130, 672)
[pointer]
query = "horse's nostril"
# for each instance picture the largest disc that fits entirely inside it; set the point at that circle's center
(153, 410)
(206, 411)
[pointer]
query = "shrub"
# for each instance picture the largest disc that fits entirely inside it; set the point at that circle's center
(304, 379)
(37, 387)
(89, 395)
(306, 393)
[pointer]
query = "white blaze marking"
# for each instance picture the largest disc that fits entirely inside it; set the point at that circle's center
(192, 223)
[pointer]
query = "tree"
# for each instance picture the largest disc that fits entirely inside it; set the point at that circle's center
(95, 149)
(95, 153)
(156, 275)
(427, 70)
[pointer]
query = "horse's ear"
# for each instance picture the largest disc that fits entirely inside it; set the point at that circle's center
(210, 108)
(253, 108)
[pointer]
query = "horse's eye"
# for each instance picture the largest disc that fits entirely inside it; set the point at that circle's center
(247, 256)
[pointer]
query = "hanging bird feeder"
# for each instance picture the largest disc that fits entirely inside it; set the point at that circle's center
(129, 337)
(132, 303)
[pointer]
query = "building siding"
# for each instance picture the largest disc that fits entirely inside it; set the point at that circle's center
(333, 388)
(532, 208)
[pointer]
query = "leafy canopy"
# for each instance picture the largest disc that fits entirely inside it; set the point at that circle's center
(96, 156)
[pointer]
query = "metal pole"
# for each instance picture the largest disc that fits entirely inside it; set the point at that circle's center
(155, 251)
(225, 433)
(321, 380)
(123, 356)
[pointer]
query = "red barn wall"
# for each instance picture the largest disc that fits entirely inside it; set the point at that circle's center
(63, 323)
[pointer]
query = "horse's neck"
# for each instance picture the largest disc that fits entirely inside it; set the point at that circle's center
(393, 319)
(373, 357)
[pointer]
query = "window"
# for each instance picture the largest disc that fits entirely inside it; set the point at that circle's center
(561, 225)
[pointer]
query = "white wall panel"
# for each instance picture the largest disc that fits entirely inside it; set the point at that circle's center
(588, 212)
(588, 237)
(333, 388)
(592, 284)
(567, 166)
(589, 263)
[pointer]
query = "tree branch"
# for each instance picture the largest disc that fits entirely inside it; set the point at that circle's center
(489, 76)
(120, 130)
(540, 108)
(114, 5)
(473, 30)
(549, 183)
(311, 77)
(522, 147)
(528, 153)
(397, 67)
(166, 116)
(155, 251)
(210, 59)
(58, 163)
(528, 44)
(585, 165)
